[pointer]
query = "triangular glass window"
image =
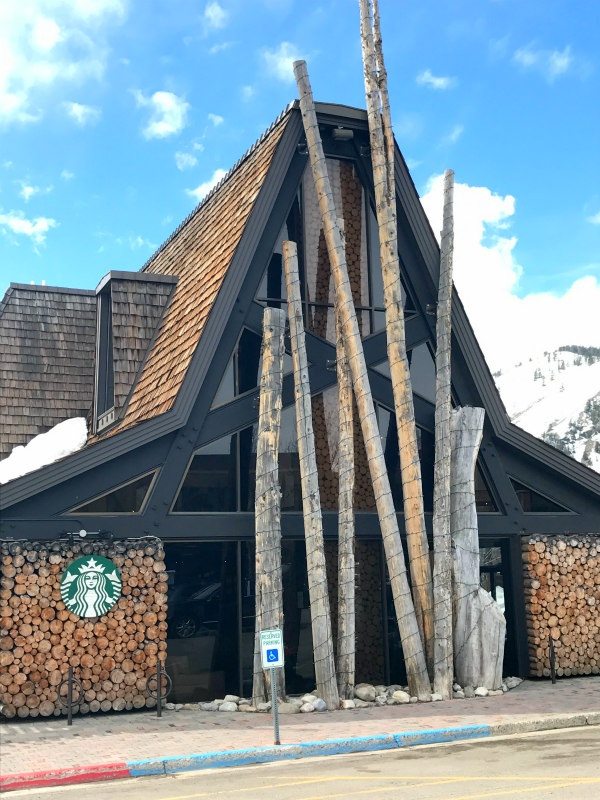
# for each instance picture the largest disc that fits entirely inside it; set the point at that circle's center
(210, 483)
(422, 371)
(483, 497)
(127, 499)
(243, 369)
(533, 502)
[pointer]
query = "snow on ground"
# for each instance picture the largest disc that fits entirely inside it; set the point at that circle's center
(63, 439)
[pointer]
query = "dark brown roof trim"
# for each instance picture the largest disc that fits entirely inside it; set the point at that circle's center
(120, 275)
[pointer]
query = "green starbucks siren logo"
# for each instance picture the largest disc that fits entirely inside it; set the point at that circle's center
(90, 586)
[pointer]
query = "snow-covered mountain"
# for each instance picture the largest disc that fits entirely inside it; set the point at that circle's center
(556, 396)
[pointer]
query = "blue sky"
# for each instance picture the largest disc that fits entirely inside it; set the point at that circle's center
(115, 115)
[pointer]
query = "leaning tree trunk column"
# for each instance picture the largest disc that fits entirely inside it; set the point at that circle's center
(311, 499)
(480, 627)
(346, 627)
(267, 505)
(382, 158)
(409, 631)
(442, 545)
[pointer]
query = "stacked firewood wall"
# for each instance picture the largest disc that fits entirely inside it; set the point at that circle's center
(40, 639)
(562, 594)
(370, 666)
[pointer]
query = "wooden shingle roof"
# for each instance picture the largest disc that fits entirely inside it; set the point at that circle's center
(198, 254)
(47, 342)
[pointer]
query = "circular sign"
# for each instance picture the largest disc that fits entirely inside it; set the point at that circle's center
(90, 586)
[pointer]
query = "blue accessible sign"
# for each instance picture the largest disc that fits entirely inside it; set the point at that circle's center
(271, 648)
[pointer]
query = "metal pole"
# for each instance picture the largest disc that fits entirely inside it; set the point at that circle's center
(158, 689)
(552, 655)
(274, 706)
(70, 697)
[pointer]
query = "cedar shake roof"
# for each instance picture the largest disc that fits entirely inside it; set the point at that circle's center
(198, 254)
(47, 343)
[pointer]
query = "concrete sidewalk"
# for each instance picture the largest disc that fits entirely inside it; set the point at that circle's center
(116, 744)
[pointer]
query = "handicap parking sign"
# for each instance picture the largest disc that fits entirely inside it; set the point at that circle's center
(271, 648)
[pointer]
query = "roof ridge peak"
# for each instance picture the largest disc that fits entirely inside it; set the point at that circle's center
(218, 186)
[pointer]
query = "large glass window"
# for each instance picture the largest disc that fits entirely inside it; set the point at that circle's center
(222, 474)
(127, 499)
(422, 371)
(362, 255)
(211, 480)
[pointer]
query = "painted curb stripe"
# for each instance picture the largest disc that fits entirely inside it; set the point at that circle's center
(261, 755)
(60, 777)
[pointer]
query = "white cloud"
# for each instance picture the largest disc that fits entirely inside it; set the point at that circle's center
(17, 223)
(486, 272)
(81, 114)
(204, 188)
(168, 114)
(198, 146)
(216, 119)
(215, 16)
(248, 93)
(46, 44)
(67, 175)
(185, 161)
(438, 82)
(454, 134)
(279, 61)
(594, 219)
(28, 191)
(550, 63)
(219, 48)
(138, 242)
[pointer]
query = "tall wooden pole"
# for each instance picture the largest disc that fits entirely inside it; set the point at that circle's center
(346, 628)
(442, 545)
(382, 158)
(412, 645)
(311, 498)
(267, 504)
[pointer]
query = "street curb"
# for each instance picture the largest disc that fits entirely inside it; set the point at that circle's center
(170, 765)
(64, 777)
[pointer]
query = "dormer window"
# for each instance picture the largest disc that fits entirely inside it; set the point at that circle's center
(129, 310)
(104, 412)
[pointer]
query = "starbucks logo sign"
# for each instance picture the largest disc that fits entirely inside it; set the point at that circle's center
(90, 586)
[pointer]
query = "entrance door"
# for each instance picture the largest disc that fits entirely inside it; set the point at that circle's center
(203, 649)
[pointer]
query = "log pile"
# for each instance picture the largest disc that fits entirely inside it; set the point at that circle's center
(562, 596)
(40, 639)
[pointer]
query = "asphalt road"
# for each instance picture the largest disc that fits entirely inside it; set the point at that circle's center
(561, 764)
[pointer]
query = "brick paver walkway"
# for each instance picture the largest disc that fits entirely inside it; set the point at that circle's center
(28, 746)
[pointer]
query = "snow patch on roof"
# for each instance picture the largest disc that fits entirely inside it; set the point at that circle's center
(63, 439)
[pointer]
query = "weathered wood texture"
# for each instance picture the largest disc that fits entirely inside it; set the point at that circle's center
(311, 502)
(267, 507)
(40, 639)
(409, 631)
(479, 624)
(382, 159)
(47, 341)
(443, 669)
(562, 602)
(346, 638)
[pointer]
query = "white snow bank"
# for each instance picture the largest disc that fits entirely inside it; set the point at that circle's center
(63, 439)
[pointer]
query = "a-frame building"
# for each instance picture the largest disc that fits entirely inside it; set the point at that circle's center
(170, 359)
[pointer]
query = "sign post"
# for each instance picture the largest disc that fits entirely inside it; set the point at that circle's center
(271, 652)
